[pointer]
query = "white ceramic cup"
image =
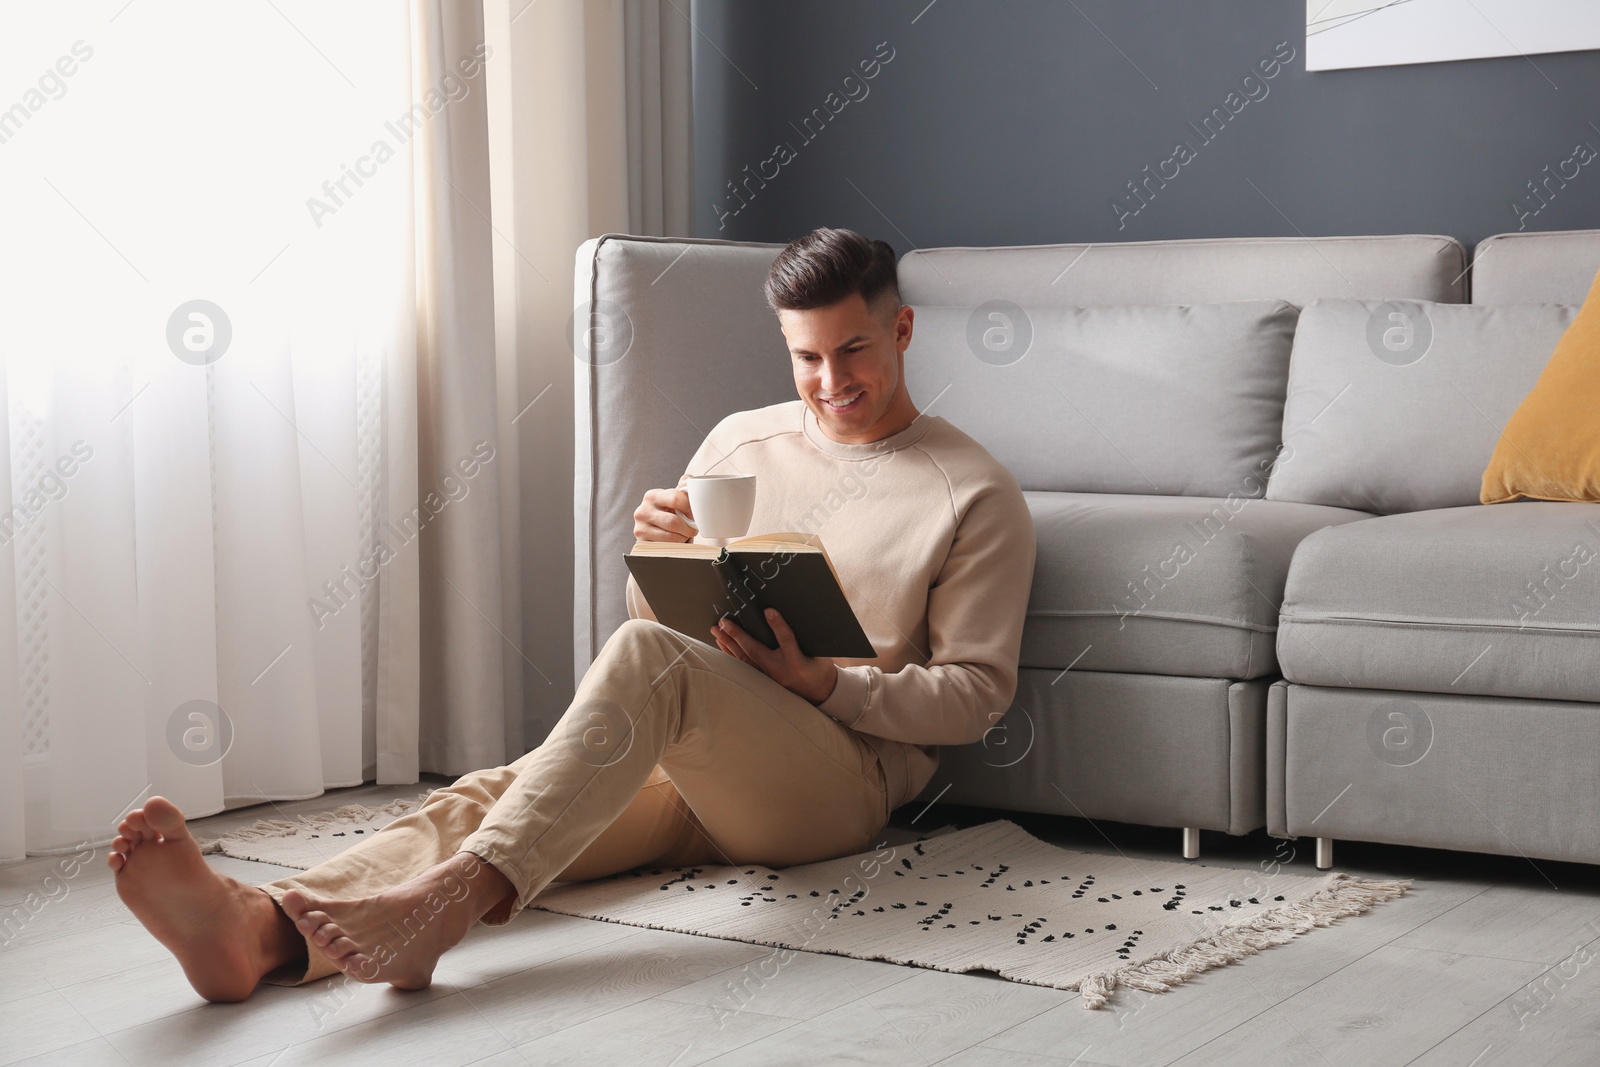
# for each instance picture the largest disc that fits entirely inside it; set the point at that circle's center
(723, 505)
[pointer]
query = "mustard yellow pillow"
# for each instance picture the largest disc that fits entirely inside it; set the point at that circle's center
(1550, 449)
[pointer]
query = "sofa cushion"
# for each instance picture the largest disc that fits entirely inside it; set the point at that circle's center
(1184, 400)
(1162, 585)
(1396, 406)
(1493, 600)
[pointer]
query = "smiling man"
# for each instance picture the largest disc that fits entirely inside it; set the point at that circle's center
(677, 751)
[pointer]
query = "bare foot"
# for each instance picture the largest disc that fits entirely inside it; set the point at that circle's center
(398, 935)
(227, 935)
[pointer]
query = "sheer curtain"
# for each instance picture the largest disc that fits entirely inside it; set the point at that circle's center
(248, 442)
(285, 419)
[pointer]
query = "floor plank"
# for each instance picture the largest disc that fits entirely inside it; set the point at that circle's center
(43, 965)
(1386, 1008)
(854, 1033)
(787, 984)
(273, 1019)
(940, 1014)
(1552, 1019)
(446, 1032)
(1533, 923)
(40, 875)
(651, 1033)
(134, 996)
(575, 988)
(39, 1026)
(984, 1056)
(80, 909)
(95, 1053)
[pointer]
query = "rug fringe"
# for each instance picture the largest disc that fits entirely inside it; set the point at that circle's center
(1346, 896)
(321, 822)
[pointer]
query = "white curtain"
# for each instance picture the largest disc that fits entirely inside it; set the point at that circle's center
(216, 515)
(285, 424)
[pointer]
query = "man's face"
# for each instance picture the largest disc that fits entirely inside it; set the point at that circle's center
(848, 362)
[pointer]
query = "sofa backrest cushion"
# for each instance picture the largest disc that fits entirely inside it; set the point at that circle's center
(1182, 400)
(1535, 268)
(1296, 269)
(1396, 406)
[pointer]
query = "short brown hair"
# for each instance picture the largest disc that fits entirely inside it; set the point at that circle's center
(826, 266)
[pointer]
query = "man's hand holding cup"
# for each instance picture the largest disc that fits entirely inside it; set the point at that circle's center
(661, 515)
(726, 502)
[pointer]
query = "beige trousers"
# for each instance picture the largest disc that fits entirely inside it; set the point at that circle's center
(672, 753)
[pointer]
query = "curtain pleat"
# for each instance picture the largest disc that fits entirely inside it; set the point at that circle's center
(660, 116)
(471, 703)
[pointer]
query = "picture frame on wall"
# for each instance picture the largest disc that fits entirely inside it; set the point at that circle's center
(1341, 34)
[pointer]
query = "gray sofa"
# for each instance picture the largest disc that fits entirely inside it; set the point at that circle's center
(1442, 666)
(1250, 485)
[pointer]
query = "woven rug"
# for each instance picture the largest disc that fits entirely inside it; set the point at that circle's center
(306, 841)
(988, 898)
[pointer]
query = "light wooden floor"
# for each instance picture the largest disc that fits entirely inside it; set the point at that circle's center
(1487, 961)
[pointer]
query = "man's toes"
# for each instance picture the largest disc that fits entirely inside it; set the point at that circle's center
(163, 816)
(318, 928)
(295, 904)
(339, 948)
(325, 935)
(133, 831)
(115, 860)
(312, 921)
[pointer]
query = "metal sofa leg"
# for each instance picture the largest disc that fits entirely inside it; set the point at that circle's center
(1324, 853)
(1191, 842)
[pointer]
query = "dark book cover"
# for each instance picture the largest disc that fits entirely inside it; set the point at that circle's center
(690, 594)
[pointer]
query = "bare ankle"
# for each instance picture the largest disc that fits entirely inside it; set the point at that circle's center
(477, 886)
(281, 944)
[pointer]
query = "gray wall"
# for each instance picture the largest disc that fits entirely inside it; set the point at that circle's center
(1018, 123)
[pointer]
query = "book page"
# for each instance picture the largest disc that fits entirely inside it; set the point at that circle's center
(686, 549)
(768, 542)
(778, 542)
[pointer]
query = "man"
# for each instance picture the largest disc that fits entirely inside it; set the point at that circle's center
(677, 751)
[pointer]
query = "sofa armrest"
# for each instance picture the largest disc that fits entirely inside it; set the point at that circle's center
(669, 335)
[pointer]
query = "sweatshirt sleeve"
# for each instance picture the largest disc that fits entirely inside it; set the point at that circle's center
(976, 608)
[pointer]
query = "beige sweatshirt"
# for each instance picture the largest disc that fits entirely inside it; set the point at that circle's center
(934, 547)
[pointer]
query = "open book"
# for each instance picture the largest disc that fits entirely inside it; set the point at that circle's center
(689, 587)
